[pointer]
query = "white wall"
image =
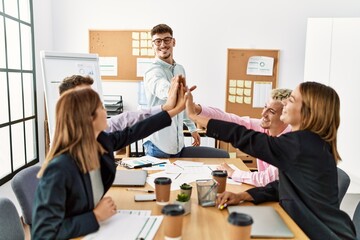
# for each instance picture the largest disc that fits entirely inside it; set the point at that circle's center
(203, 30)
(43, 40)
(332, 57)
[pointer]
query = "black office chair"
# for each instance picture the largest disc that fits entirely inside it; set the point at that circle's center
(10, 224)
(24, 185)
(203, 152)
(356, 221)
(343, 183)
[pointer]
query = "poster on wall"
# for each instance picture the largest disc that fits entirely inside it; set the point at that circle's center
(260, 65)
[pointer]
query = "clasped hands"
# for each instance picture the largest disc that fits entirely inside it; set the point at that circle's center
(177, 97)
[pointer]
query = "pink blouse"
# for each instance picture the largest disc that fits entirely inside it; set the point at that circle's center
(266, 172)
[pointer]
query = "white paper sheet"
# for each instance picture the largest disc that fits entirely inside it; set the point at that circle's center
(260, 65)
(129, 226)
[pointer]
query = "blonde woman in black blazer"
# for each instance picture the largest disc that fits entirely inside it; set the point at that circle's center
(306, 158)
(80, 167)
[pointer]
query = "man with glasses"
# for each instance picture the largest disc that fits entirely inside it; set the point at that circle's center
(169, 141)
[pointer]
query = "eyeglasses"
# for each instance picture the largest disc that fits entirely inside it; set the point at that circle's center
(166, 40)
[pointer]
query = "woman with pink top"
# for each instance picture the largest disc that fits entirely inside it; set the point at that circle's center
(269, 123)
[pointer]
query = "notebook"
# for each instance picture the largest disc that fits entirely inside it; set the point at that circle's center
(130, 178)
(267, 222)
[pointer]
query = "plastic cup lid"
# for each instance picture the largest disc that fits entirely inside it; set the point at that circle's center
(240, 219)
(219, 173)
(173, 210)
(162, 180)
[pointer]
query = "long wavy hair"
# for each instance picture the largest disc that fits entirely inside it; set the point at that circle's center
(320, 112)
(74, 132)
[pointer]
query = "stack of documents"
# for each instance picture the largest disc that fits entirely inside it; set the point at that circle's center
(132, 162)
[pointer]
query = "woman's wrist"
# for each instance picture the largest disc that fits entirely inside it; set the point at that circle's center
(245, 196)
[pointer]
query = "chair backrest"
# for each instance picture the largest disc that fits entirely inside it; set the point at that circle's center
(10, 224)
(343, 183)
(24, 185)
(356, 220)
(203, 152)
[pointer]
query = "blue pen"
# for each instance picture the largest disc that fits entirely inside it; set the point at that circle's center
(148, 165)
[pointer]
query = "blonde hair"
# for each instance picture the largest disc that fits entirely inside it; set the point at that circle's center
(74, 132)
(280, 94)
(320, 112)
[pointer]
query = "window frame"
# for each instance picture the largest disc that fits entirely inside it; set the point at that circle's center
(26, 121)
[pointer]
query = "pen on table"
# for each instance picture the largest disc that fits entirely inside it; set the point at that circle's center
(178, 175)
(140, 190)
(149, 165)
(178, 166)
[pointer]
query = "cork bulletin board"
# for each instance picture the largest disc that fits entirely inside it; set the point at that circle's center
(126, 46)
(248, 84)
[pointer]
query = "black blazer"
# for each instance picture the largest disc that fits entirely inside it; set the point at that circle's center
(308, 188)
(64, 203)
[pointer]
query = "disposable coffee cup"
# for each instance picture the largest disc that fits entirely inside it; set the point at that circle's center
(220, 176)
(162, 190)
(239, 226)
(173, 221)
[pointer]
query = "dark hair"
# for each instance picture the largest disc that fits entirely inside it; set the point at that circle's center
(74, 81)
(161, 28)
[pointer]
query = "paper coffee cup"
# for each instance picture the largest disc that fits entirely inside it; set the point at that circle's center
(239, 226)
(173, 221)
(162, 190)
(220, 176)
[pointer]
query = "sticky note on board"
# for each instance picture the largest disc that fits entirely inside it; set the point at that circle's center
(143, 43)
(135, 43)
(232, 83)
(232, 91)
(231, 98)
(135, 35)
(144, 35)
(240, 91)
(144, 52)
(248, 84)
(239, 99)
(136, 52)
(247, 100)
(149, 43)
(247, 92)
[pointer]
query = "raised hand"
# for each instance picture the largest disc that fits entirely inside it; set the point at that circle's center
(226, 167)
(172, 94)
(190, 106)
